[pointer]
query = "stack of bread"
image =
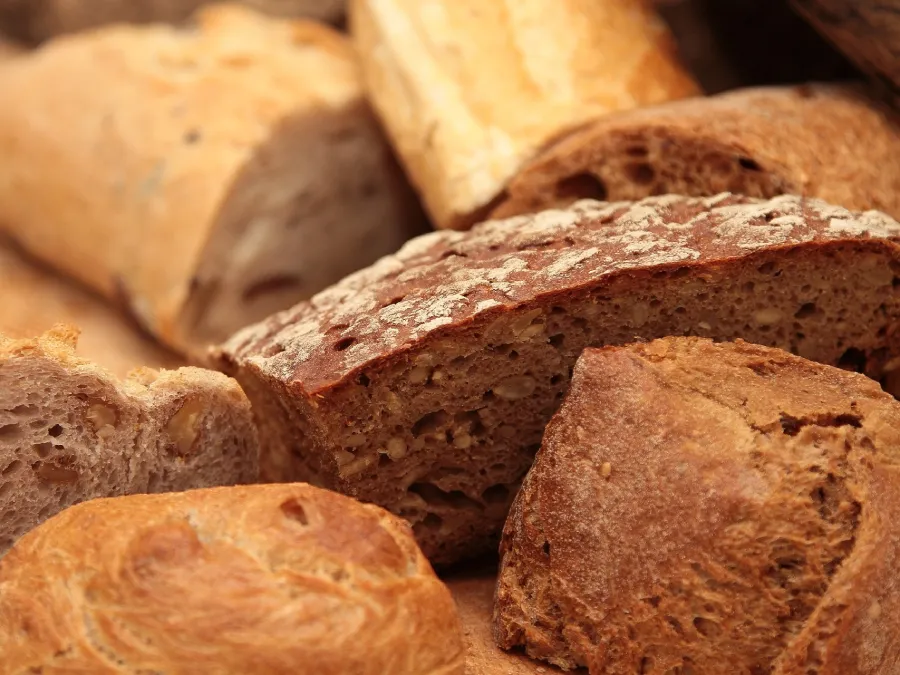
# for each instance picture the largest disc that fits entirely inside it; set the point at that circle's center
(628, 406)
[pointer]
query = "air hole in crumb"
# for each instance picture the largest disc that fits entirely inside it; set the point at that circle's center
(766, 268)
(42, 450)
(557, 341)
(11, 468)
(642, 174)
(556, 379)
(546, 548)
(706, 627)
(430, 423)
(55, 431)
(496, 494)
(807, 310)
(853, 359)
(430, 523)
(435, 497)
(646, 665)
(582, 186)
(9, 432)
(344, 343)
(294, 510)
(637, 151)
(364, 380)
(749, 164)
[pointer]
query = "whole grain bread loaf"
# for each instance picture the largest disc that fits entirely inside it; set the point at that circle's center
(833, 142)
(70, 431)
(33, 299)
(208, 176)
(709, 508)
(38, 20)
(868, 31)
(469, 91)
(267, 579)
(423, 383)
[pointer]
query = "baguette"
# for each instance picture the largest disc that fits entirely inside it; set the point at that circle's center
(868, 31)
(711, 509)
(70, 431)
(268, 579)
(826, 141)
(423, 384)
(34, 299)
(39, 20)
(207, 177)
(468, 90)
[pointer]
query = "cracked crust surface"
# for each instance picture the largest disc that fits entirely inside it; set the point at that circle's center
(709, 508)
(271, 579)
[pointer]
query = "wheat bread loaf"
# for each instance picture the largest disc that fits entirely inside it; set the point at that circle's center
(473, 592)
(207, 177)
(33, 299)
(267, 579)
(38, 20)
(709, 508)
(833, 142)
(423, 383)
(868, 31)
(70, 431)
(468, 91)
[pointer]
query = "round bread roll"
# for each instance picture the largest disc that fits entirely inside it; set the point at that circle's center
(262, 579)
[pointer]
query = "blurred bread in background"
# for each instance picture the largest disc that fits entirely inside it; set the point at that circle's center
(38, 20)
(203, 178)
(468, 91)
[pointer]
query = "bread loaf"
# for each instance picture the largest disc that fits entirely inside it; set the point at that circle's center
(268, 579)
(207, 177)
(423, 384)
(33, 299)
(712, 509)
(37, 20)
(473, 593)
(868, 31)
(826, 141)
(70, 431)
(468, 91)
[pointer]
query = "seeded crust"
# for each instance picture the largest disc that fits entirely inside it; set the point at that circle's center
(70, 431)
(262, 579)
(709, 508)
(423, 383)
(826, 141)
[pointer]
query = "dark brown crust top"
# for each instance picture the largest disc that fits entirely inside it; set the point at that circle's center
(443, 280)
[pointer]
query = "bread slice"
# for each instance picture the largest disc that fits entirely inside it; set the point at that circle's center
(34, 299)
(265, 579)
(70, 431)
(423, 384)
(473, 592)
(868, 31)
(241, 172)
(38, 20)
(709, 508)
(469, 91)
(827, 141)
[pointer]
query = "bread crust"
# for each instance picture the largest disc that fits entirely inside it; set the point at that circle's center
(831, 142)
(723, 507)
(866, 30)
(468, 91)
(268, 579)
(423, 383)
(71, 431)
(190, 175)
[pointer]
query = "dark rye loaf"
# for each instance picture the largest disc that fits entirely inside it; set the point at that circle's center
(709, 509)
(423, 383)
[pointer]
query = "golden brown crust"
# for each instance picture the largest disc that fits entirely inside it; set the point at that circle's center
(270, 579)
(724, 507)
(868, 31)
(469, 91)
(195, 168)
(34, 299)
(826, 141)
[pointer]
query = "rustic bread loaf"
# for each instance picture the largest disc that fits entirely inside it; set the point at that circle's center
(473, 593)
(207, 177)
(709, 509)
(33, 299)
(868, 31)
(37, 20)
(469, 90)
(826, 141)
(70, 431)
(267, 579)
(423, 384)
